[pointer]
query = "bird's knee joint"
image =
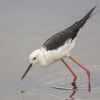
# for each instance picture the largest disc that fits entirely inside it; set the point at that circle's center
(88, 72)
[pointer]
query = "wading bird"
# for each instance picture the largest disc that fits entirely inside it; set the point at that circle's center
(58, 47)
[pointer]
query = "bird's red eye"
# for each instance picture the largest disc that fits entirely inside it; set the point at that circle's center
(34, 58)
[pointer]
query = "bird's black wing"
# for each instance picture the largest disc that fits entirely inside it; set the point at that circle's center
(60, 38)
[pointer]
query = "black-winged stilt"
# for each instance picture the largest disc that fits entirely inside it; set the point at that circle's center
(59, 46)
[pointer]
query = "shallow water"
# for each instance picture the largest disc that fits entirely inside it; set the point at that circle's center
(45, 89)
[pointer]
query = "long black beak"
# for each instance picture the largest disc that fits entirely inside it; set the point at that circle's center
(26, 71)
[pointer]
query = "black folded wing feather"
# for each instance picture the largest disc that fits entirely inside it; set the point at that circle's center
(60, 38)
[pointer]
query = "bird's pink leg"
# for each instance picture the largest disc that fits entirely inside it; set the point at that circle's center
(74, 75)
(84, 68)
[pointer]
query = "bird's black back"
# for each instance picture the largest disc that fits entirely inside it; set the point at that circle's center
(60, 38)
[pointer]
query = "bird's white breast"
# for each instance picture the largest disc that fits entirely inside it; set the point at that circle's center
(49, 56)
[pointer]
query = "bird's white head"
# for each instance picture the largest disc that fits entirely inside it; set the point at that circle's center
(33, 59)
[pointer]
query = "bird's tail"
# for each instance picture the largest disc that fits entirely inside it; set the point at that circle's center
(86, 17)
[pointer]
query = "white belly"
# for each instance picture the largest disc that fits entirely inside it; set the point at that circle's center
(57, 54)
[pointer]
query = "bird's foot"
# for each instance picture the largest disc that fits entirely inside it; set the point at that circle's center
(89, 87)
(74, 85)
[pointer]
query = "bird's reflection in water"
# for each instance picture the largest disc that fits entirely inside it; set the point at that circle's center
(72, 94)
